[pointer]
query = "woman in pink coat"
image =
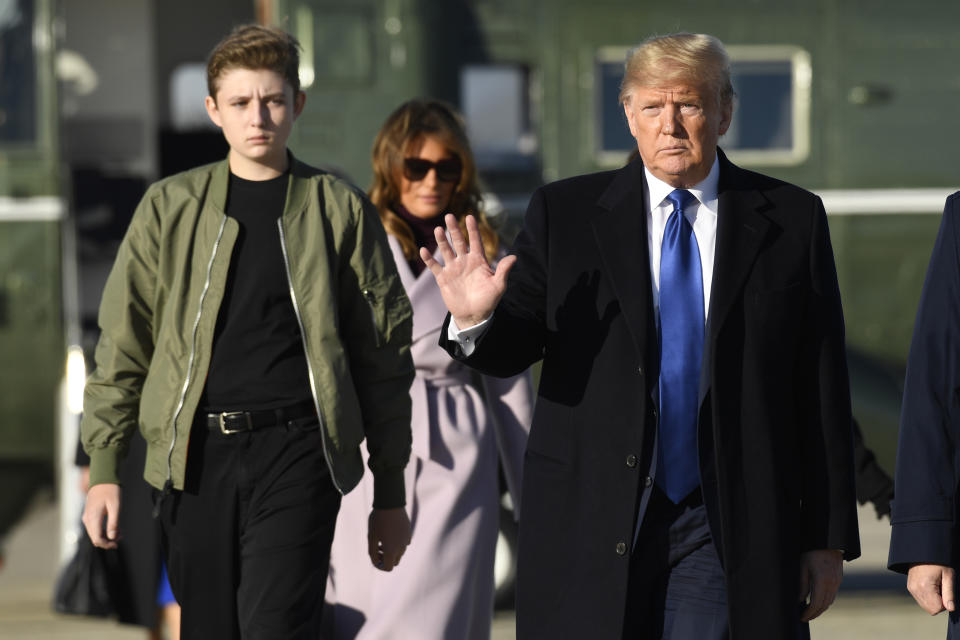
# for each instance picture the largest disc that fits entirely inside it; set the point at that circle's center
(443, 588)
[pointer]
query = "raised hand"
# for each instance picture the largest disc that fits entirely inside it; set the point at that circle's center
(470, 287)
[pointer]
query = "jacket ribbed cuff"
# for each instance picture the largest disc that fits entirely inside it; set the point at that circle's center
(388, 490)
(104, 466)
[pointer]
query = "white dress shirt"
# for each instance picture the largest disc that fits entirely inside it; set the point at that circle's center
(702, 217)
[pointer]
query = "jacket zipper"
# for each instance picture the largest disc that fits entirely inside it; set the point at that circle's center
(368, 296)
(168, 485)
(306, 354)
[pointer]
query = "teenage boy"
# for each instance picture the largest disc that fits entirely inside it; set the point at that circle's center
(255, 329)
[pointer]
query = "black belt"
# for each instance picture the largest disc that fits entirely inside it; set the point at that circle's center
(228, 422)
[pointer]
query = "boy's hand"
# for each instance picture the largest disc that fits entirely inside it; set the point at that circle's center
(103, 501)
(388, 537)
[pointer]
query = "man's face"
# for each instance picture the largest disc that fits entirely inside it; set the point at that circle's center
(256, 109)
(677, 127)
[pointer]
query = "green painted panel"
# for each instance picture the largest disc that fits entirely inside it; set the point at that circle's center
(881, 264)
(31, 337)
(898, 83)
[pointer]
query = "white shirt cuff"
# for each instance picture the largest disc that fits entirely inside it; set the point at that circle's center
(467, 338)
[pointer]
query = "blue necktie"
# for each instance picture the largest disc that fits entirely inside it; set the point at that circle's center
(681, 351)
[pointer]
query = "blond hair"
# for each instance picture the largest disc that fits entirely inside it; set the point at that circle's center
(404, 131)
(679, 57)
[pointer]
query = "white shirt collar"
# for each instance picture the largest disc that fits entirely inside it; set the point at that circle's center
(705, 191)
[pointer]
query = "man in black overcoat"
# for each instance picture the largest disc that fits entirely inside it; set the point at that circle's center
(689, 472)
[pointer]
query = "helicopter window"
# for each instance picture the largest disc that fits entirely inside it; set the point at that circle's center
(18, 73)
(496, 107)
(188, 88)
(771, 115)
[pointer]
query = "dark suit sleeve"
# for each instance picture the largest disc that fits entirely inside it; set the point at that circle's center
(828, 499)
(926, 476)
(516, 336)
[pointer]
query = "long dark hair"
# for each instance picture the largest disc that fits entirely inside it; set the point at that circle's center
(402, 133)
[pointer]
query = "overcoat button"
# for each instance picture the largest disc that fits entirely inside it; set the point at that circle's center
(621, 548)
(631, 461)
(647, 481)
(640, 369)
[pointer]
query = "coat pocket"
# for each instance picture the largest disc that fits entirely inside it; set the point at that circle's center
(551, 442)
(388, 310)
(377, 318)
(761, 297)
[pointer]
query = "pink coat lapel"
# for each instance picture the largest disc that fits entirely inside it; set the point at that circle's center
(429, 310)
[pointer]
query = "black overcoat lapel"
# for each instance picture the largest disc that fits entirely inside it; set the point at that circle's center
(620, 229)
(742, 226)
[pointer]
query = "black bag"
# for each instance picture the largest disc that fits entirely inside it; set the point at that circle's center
(92, 583)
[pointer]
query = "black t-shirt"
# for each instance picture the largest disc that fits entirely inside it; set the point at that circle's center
(258, 359)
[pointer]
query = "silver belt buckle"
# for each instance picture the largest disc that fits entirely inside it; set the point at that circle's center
(229, 414)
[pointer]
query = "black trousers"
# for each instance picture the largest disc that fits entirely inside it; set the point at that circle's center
(248, 539)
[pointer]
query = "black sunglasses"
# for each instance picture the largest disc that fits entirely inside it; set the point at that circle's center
(415, 169)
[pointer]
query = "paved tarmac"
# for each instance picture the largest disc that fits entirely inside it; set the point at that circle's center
(872, 605)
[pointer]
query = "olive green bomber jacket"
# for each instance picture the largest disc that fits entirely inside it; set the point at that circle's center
(159, 310)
